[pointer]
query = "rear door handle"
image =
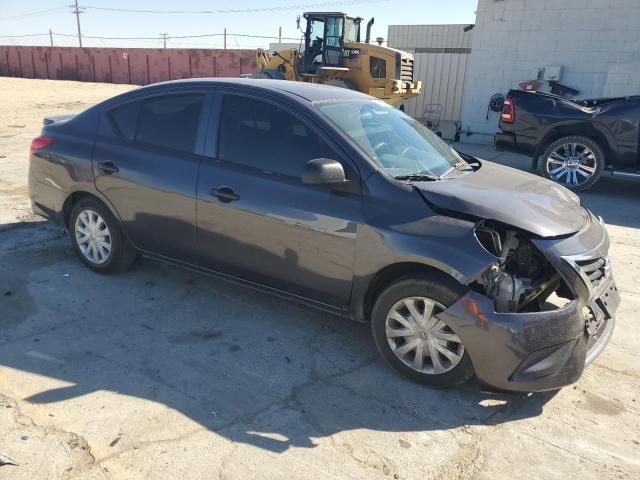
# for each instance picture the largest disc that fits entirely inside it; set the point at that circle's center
(224, 194)
(108, 168)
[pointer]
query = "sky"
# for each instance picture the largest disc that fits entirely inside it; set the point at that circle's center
(28, 17)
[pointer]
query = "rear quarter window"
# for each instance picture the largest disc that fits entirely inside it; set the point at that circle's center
(125, 120)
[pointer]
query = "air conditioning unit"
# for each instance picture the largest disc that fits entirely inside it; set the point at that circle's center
(552, 73)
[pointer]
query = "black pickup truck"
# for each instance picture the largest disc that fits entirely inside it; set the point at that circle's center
(573, 142)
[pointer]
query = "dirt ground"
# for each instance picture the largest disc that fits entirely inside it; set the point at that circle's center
(23, 104)
(161, 373)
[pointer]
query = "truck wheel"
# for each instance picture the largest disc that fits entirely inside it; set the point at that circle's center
(411, 337)
(574, 162)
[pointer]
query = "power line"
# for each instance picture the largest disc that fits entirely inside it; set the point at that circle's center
(241, 10)
(26, 35)
(160, 37)
(107, 38)
(199, 36)
(34, 14)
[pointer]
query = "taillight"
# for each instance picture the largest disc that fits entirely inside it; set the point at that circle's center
(508, 111)
(39, 143)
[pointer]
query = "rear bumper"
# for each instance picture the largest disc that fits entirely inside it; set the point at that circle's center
(47, 199)
(505, 141)
(531, 351)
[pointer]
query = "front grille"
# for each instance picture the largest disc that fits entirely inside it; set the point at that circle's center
(594, 269)
(599, 320)
(406, 69)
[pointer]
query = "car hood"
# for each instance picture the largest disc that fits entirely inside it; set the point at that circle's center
(495, 192)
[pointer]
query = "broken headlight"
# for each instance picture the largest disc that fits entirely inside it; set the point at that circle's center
(521, 278)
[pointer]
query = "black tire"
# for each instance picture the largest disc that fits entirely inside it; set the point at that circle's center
(439, 288)
(122, 254)
(595, 161)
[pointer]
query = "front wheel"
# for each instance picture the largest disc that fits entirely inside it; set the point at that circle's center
(574, 162)
(412, 337)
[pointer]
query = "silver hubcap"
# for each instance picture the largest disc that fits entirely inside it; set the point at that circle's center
(571, 164)
(420, 339)
(93, 237)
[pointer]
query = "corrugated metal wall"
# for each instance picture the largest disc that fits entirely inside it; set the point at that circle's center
(441, 54)
(138, 66)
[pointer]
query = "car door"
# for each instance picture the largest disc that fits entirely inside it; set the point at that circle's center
(256, 219)
(146, 164)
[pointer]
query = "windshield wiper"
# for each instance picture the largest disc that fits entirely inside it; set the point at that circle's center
(458, 167)
(418, 177)
(462, 166)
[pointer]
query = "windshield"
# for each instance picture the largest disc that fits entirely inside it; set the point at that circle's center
(396, 142)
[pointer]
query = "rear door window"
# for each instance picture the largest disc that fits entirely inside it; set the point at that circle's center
(262, 136)
(168, 121)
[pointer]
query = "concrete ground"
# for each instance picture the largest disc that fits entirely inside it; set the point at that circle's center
(163, 373)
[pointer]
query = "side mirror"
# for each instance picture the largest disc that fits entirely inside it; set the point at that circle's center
(323, 171)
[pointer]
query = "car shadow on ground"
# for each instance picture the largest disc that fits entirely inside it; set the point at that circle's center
(246, 365)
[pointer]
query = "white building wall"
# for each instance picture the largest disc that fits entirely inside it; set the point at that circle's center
(597, 43)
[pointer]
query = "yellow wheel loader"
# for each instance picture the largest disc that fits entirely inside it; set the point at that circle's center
(334, 55)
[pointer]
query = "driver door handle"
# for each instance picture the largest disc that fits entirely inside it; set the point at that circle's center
(224, 194)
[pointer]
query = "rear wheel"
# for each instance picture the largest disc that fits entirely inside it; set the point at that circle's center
(574, 162)
(98, 239)
(412, 337)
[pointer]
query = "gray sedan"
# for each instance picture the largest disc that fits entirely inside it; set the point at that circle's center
(329, 197)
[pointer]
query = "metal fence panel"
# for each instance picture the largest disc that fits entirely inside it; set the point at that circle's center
(138, 66)
(441, 55)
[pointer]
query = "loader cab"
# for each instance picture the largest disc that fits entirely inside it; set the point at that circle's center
(325, 37)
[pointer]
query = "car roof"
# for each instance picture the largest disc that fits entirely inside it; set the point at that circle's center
(311, 92)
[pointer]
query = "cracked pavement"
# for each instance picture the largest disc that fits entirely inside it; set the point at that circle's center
(162, 373)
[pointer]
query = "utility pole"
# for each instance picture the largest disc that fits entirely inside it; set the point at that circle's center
(51, 37)
(225, 38)
(279, 34)
(164, 39)
(77, 11)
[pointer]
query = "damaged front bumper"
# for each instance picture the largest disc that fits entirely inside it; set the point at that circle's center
(548, 349)
(529, 351)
